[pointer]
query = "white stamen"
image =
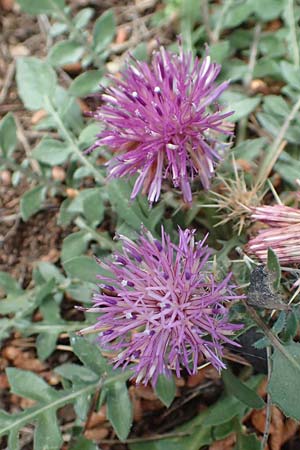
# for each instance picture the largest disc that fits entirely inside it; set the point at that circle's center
(172, 146)
(157, 89)
(128, 315)
(124, 283)
(134, 94)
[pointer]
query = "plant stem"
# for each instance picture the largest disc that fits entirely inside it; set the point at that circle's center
(69, 138)
(215, 35)
(293, 34)
(269, 401)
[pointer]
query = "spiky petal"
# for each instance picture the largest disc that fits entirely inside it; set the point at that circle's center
(162, 308)
(162, 121)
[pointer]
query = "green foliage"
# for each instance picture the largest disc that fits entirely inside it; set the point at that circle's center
(8, 135)
(32, 201)
(165, 389)
(41, 6)
(35, 80)
(65, 52)
(104, 31)
(285, 379)
(241, 391)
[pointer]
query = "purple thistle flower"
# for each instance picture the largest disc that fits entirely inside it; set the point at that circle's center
(158, 121)
(161, 308)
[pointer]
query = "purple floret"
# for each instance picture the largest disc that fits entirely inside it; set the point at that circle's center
(161, 308)
(162, 122)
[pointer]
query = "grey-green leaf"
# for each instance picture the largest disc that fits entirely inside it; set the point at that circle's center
(47, 435)
(35, 80)
(8, 135)
(104, 30)
(119, 409)
(242, 392)
(35, 7)
(285, 380)
(74, 245)
(89, 353)
(83, 267)
(86, 83)
(274, 267)
(29, 385)
(31, 201)
(51, 151)
(65, 52)
(165, 389)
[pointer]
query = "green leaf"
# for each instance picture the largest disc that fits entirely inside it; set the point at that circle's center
(273, 266)
(266, 67)
(86, 83)
(46, 344)
(247, 442)
(165, 389)
(119, 194)
(119, 409)
(51, 151)
(47, 434)
(76, 373)
(290, 74)
(28, 384)
(12, 423)
(90, 355)
(83, 17)
(288, 167)
(219, 51)
(93, 207)
(237, 14)
(242, 392)
(271, 9)
(274, 104)
(104, 30)
(65, 215)
(49, 271)
(74, 245)
(65, 52)
(41, 6)
(83, 267)
(9, 284)
(35, 80)
(285, 380)
(291, 326)
(8, 135)
(243, 108)
(249, 149)
(31, 202)
(88, 134)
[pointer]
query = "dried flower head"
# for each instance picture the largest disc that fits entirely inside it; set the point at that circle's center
(283, 234)
(161, 307)
(162, 121)
(235, 199)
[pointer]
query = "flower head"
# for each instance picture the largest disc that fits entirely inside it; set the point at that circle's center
(157, 121)
(161, 307)
(282, 234)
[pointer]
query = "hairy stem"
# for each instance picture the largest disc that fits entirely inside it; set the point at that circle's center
(69, 138)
